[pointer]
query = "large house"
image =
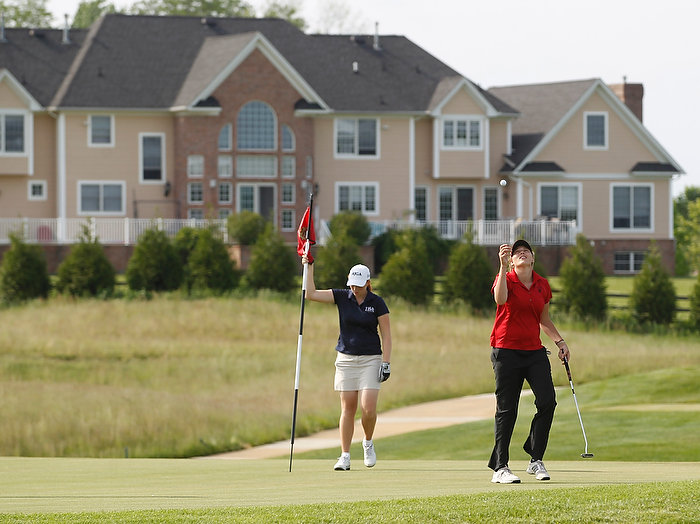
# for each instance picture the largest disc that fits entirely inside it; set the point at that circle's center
(144, 117)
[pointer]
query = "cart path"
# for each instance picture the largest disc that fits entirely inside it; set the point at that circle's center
(428, 415)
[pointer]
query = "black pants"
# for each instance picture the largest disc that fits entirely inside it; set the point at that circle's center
(511, 367)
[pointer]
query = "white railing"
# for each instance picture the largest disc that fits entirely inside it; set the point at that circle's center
(124, 231)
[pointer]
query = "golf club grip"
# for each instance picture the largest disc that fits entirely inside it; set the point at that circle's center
(568, 371)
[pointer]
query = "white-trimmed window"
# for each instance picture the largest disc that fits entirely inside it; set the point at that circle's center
(357, 196)
(287, 220)
(289, 166)
(257, 166)
(462, 132)
(595, 130)
(632, 207)
(288, 140)
(256, 127)
(455, 203)
(628, 261)
(101, 131)
(259, 198)
(12, 133)
(195, 166)
(196, 213)
(560, 201)
(36, 190)
(195, 193)
(421, 203)
(491, 203)
(225, 138)
(224, 213)
(152, 158)
(101, 198)
(288, 194)
(224, 166)
(357, 137)
(225, 192)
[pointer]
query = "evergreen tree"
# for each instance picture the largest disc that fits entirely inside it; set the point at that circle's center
(583, 283)
(154, 265)
(86, 271)
(352, 223)
(23, 272)
(408, 273)
(272, 264)
(245, 227)
(209, 265)
(653, 298)
(695, 305)
(469, 276)
(334, 260)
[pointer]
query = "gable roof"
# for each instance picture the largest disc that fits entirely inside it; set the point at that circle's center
(546, 108)
(160, 62)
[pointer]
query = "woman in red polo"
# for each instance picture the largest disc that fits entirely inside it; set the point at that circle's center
(517, 354)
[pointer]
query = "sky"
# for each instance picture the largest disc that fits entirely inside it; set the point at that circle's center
(513, 42)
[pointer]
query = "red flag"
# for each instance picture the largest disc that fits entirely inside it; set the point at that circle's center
(306, 232)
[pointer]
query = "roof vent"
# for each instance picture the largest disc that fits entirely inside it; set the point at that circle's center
(208, 21)
(376, 45)
(66, 39)
(355, 67)
(36, 32)
(2, 28)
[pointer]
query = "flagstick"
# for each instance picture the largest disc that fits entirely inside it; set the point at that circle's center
(299, 339)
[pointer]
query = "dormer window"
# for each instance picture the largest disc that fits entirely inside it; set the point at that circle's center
(595, 130)
(461, 133)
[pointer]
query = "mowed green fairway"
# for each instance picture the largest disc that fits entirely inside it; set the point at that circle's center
(29, 485)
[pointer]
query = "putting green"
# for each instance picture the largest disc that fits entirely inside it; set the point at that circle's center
(37, 485)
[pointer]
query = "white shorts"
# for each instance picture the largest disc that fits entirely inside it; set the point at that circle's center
(357, 372)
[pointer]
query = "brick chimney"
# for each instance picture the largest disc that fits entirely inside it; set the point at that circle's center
(631, 95)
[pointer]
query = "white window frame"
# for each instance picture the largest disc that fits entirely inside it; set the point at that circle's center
(223, 213)
(453, 190)
(195, 166)
(189, 193)
(631, 229)
(631, 256)
(196, 213)
(427, 202)
(559, 185)
(355, 154)
(224, 166)
(230, 193)
(239, 133)
(229, 145)
(101, 183)
(586, 145)
(290, 213)
(467, 119)
(163, 177)
(90, 137)
(364, 186)
(290, 186)
(289, 166)
(40, 183)
(294, 139)
(27, 131)
(241, 167)
(256, 196)
(497, 190)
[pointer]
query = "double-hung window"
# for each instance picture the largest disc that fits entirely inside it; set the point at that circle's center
(559, 201)
(595, 130)
(101, 131)
(12, 128)
(152, 157)
(361, 197)
(631, 207)
(461, 133)
(101, 198)
(195, 166)
(356, 137)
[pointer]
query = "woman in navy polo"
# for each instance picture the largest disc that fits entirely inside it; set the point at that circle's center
(360, 364)
(517, 354)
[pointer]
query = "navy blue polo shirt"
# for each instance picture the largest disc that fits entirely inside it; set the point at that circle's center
(358, 323)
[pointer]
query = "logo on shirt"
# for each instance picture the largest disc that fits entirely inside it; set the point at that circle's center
(369, 309)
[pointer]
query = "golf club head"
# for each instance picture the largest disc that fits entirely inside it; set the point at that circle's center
(587, 455)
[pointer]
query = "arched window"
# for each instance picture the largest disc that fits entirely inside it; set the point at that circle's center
(256, 127)
(287, 138)
(225, 138)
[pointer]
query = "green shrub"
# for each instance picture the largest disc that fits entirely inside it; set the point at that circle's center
(86, 271)
(352, 223)
(154, 265)
(437, 247)
(273, 265)
(695, 305)
(408, 273)
(469, 277)
(334, 260)
(209, 265)
(184, 243)
(245, 227)
(23, 273)
(653, 297)
(583, 283)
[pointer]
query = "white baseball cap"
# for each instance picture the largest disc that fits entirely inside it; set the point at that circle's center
(358, 276)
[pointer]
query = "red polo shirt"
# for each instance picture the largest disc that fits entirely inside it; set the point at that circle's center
(517, 324)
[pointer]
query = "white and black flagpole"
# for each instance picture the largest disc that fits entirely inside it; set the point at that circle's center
(307, 245)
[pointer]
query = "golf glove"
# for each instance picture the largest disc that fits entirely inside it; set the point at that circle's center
(384, 372)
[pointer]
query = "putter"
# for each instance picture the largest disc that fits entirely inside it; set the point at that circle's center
(585, 453)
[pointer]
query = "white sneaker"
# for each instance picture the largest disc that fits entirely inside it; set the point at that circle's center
(537, 469)
(370, 454)
(343, 463)
(504, 476)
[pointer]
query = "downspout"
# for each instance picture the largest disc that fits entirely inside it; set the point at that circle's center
(412, 167)
(61, 175)
(519, 197)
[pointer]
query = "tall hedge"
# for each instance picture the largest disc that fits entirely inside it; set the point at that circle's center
(408, 273)
(23, 272)
(154, 265)
(86, 271)
(653, 297)
(469, 277)
(583, 283)
(334, 260)
(272, 263)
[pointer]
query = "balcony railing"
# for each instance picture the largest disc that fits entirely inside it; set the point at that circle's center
(126, 231)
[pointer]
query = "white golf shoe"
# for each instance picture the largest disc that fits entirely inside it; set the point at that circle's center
(537, 469)
(504, 476)
(343, 463)
(370, 454)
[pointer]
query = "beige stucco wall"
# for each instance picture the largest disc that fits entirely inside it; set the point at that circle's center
(120, 162)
